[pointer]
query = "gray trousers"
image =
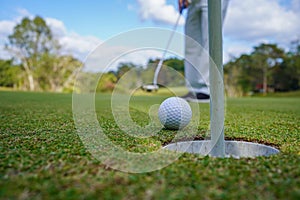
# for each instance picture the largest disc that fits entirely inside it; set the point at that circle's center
(196, 27)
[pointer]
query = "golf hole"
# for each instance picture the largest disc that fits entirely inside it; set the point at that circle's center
(235, 149)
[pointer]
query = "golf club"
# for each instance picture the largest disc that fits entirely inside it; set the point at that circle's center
(154, 86)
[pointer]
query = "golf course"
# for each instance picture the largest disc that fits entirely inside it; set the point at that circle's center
(150, 100)
(42, 156)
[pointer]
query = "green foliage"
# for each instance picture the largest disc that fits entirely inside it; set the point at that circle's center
(288, 73)
(168, 74)
(86, 82)
(267, 68)
(57, 73)
(28, 42)
(123, 68)
(107, 82)
(9, 74)
(239, 76)
(32, 37)
(175, 63)
(42, 156)
(43, 68)
(33, 45)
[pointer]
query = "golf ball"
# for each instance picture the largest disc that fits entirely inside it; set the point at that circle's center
(174, 113)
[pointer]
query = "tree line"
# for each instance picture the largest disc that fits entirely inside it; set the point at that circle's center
(37, 64)
(267, 68)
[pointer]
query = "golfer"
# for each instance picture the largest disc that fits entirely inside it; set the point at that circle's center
(196, 27)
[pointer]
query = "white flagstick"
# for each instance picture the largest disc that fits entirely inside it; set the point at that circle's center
(216, 78)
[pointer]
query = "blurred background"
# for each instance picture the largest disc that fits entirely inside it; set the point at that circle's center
(44, 43)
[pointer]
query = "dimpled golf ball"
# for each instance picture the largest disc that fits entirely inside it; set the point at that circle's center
(175, 113)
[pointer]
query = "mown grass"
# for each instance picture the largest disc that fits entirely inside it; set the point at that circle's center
(42, 157)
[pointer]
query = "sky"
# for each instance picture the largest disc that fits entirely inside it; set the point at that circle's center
(82, 25)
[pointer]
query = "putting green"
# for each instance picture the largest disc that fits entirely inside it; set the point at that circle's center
(42, 157)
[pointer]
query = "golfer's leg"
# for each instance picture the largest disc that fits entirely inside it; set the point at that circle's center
(197, 28)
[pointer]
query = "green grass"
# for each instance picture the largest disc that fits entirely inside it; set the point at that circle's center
(279, 94)
(42, 157)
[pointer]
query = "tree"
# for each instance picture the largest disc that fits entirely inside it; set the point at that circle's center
(123, 68)
(265, 57)
(268, 65)
(295, 47)
(34, 47)
(239, 76)
(287, 74)
(255, 71)
(175, 63)
(29, 42)
(168, 74)
(57, 73)
(9, 73)
(107, 82)
(132, 73)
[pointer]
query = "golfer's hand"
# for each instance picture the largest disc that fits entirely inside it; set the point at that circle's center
(182, 4)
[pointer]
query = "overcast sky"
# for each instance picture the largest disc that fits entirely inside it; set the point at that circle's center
(82, 25)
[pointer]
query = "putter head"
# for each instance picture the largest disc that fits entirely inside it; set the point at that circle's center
(150, 88)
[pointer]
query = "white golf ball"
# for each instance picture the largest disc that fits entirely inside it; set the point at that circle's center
(174, 113)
